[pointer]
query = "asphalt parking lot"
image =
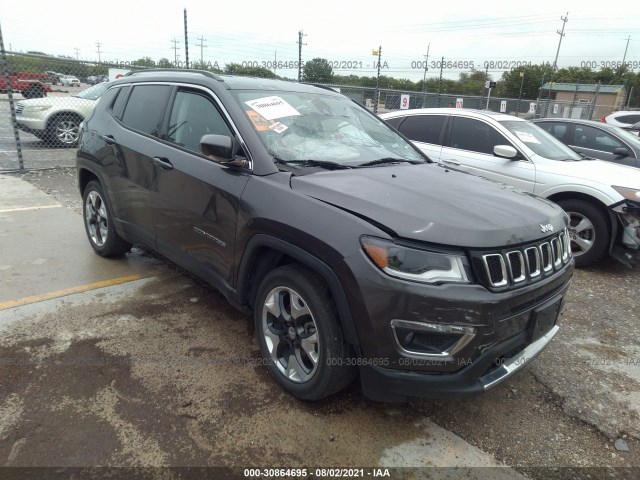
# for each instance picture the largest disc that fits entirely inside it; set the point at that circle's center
(132, 362)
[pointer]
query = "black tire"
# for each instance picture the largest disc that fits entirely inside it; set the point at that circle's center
(98, 223)
(63, 130)
(588, 231)
(294, 286)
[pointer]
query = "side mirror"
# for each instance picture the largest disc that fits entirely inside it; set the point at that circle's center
(621, 152)
(505, 151)
(219, 146)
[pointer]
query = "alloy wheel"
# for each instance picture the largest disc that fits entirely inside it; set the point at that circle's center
(95, 213)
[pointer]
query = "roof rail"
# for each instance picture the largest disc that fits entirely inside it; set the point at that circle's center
(176, 70)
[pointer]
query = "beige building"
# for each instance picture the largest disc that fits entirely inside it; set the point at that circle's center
(575, 100)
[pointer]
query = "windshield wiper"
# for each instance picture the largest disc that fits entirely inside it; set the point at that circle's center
(390, 161)
(313, 163)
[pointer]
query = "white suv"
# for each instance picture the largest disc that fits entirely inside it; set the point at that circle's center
(56, 120)
(69, 81)
(602, 199)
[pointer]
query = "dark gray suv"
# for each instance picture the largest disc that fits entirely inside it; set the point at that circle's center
(355, 253)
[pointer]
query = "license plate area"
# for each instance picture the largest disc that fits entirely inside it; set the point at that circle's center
(544, 318)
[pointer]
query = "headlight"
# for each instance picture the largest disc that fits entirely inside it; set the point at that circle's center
(35, 108)
(628, 193)
(413, 264)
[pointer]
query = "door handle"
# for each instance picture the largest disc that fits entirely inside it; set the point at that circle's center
(452, 162)
(109, 140)
(163, 163)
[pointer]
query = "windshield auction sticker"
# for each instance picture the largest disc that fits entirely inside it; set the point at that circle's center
(272, 107)
(526, 137)
(260, 123)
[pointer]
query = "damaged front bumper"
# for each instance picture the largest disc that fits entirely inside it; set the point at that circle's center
(625, 245)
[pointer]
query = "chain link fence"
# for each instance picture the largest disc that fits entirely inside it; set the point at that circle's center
(44, 99)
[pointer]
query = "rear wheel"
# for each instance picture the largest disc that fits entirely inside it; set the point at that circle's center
(299, 336)
(588, 231)
(98, 223)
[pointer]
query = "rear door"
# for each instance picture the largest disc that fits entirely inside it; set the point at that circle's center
(469, 146)
(130, 140)
(196, 199)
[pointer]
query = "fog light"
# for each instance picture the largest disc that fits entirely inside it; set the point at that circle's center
(430, 339)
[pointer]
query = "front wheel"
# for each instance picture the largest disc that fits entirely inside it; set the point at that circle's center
(98, 223)
(64, 130)
(588, 231)
(299, 336)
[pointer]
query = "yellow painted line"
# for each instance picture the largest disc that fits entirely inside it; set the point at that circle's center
(68, 291)
(24, 209)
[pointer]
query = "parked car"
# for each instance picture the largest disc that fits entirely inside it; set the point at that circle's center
(69, 81)
(353, 250)
(603, 200)
(627, 119)
(595, 139)
(53, 77)
(56, 120)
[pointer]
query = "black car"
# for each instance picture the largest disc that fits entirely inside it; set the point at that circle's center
(355, 253)
(595, 139)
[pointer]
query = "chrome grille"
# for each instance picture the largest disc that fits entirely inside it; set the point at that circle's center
(528, 263)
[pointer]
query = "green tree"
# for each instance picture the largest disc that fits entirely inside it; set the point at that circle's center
(317, 70)
(238, 69)
(144, 62)
(164, 63)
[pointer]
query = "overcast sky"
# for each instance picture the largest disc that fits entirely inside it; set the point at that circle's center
(340, 31)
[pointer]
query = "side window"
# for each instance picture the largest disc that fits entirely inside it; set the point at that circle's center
(423, 128)
(633, 118)
(193, 115)
(394, 122)
(118, 105)
(476, 136)
(558, 130)
(145, 108)
(596, 139)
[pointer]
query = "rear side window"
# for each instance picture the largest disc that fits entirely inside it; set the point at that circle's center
(145, 108)
(118, 105)
(633, 118)
(423, 128)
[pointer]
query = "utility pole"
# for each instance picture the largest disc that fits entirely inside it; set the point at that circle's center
(440, 82)
(98, 45)
(202, 47)
(275, 61)
(186, 41)
(77, 53)
(564, 19)
(175, 51)
(555, 61)
(424, 77)
(300, 35)
(624, 57)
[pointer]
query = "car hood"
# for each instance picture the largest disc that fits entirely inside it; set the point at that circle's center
(432, 204)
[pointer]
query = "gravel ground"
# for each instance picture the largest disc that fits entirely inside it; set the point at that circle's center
(577, 405)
